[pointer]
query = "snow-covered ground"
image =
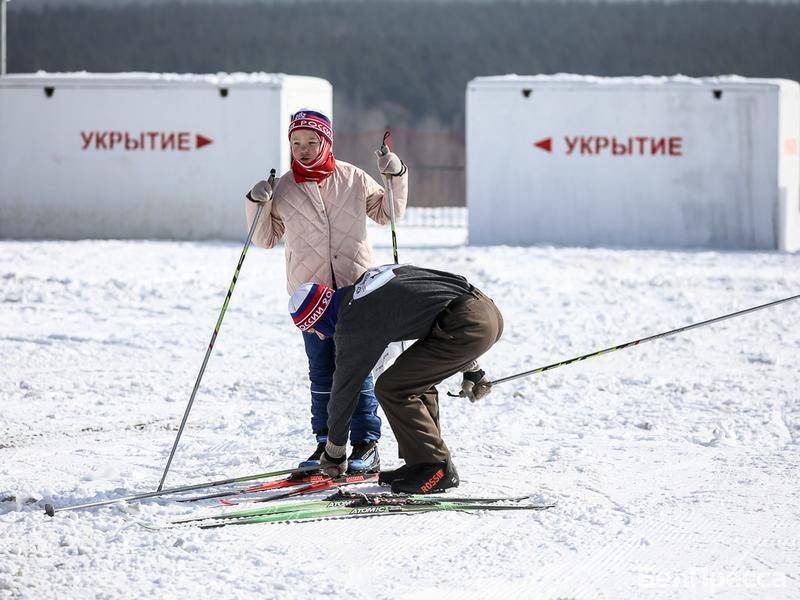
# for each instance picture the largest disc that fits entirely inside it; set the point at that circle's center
(674, 465)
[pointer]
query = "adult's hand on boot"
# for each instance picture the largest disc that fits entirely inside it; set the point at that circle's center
(333, 461)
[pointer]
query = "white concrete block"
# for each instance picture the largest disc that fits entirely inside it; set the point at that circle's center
(138, 155)
(634, 162)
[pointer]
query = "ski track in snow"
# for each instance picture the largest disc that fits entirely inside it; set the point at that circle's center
(673, 464)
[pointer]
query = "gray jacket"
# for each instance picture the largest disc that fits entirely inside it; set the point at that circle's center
(387, 304)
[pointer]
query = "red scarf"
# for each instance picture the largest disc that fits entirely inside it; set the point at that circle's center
(318, 170)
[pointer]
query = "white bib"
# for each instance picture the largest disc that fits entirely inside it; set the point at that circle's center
(374, 279)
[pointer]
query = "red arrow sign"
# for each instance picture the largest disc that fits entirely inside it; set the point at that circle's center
(545, 144)
(202, 141)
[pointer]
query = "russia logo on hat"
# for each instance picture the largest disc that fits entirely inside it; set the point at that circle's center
(313, 120)
(309, 303)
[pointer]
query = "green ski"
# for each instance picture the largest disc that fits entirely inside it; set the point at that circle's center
(350, 500)
(368, 511)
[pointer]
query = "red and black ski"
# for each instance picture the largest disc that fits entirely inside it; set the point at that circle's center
(310, 488)
(293, 481)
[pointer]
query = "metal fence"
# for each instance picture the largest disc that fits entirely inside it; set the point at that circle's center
(435, 161)
(434, 216)
(453, 217)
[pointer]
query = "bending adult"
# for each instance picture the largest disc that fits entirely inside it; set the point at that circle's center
(454, 324)
(319, 209)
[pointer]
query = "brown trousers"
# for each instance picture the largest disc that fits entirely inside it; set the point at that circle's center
(462, 332)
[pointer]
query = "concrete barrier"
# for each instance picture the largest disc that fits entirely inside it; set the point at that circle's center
(138, 155)
(635, 162)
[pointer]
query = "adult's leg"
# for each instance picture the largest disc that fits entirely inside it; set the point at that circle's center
(430, 400)
(461, 333)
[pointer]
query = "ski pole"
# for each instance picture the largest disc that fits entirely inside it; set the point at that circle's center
(645, 339)
(216, 332)
(383, 151)
(50, 510)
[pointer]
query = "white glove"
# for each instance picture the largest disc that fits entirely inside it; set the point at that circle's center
(475, 385)
(333, 461)
(390, 165)
(261, 192)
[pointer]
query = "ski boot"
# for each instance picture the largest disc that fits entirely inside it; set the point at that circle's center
(427, 478)
(313, 460)
(387, 477)
(364, 458)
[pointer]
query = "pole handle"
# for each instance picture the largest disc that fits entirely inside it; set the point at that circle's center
(385, 148)
(386, 143)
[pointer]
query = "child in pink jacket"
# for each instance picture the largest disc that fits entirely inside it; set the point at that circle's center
(319, 209)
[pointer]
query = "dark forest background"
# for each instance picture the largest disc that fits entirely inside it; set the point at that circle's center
(407, 64)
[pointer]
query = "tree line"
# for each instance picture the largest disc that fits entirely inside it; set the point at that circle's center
(408, 63)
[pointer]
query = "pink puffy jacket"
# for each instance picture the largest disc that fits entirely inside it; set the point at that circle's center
(325, 225)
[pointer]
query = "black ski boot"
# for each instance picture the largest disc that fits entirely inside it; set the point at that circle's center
(428, 478)
(387, 477)
(313, 460)
(364, 458)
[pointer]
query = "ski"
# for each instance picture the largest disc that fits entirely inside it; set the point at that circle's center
(350, 499)
(291, 481)
(367, 510)
(50, 509)
(311, 488)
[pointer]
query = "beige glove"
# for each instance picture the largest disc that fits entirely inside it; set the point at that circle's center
(333, 461)
(261, 192)
(390, 165)
(475, 385)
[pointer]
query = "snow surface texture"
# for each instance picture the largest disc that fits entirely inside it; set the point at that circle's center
(673, 464)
